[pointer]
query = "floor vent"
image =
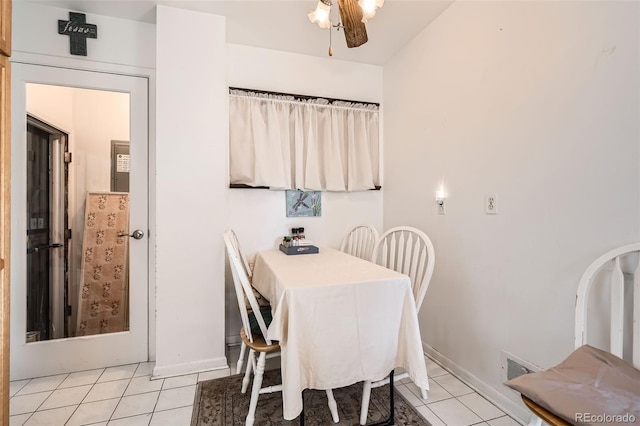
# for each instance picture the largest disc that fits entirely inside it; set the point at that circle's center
(513, 367)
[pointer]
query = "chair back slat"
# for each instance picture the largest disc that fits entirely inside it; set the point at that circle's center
(408, 255)
(623, 323)
(636, 317)
(242, 304)
(359, 241)
(409, 251)
(243, 290)
(385, 253)
(392, 252)
(400, 250)
(617, 309)
(233, 240)
(414, 270)
(423, 271)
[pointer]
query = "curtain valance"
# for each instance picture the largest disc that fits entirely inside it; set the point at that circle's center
(283, 142)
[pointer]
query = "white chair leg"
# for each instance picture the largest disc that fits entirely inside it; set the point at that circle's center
(333, 406)
(247, 374)
(366, 395)
(423, 392)
(255, 391)
(243, 349)
(535, 421)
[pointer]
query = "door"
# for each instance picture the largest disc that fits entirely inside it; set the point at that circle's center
(79, 296)
(47, 241)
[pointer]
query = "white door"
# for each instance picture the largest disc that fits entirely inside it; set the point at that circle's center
(89, 110)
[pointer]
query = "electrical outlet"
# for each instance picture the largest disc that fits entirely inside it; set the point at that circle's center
(491, 204)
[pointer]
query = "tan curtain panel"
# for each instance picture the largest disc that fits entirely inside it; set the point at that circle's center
(284, 143)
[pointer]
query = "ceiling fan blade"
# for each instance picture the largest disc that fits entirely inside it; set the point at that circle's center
(355, 31)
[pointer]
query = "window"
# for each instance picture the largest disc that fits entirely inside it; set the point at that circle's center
(289, 142)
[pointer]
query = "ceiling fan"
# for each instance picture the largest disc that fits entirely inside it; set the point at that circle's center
(353, 15)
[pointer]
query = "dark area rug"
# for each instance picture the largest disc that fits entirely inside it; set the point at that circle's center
(219, 402)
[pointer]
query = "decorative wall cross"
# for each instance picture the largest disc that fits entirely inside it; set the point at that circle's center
(78, 31)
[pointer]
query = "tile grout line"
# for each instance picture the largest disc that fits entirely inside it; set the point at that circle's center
(156, 404)
(22, 387)
(122, 396)
(477, 414)
(435, 414)
(92, 386)
(82, 400)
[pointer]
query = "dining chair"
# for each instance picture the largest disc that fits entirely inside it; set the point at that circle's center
(255, 338)
(605, 365)
(230, 235)
(409, 251)
(360, 241)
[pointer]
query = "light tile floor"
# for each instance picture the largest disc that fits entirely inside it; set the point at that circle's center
(126, 396)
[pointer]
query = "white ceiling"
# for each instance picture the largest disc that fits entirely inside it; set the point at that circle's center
(283, 25)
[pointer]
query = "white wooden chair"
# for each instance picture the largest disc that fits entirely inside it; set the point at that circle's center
(230, 235)
(257, 343)
(409, 251)
(608, 270)
(360, 241)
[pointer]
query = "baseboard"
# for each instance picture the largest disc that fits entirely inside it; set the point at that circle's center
(163, 371)
(519, 413)
(233, 340)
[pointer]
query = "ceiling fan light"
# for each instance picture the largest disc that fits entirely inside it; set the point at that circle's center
(369, 8)
(322, 14)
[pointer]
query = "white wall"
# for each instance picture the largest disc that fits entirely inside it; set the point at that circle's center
(120, 41)
(258, 216)
(191, 153)
(539, 103)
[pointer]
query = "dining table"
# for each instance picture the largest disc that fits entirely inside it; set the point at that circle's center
(339, 320)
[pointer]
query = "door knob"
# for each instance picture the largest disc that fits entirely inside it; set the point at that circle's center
(137, 234)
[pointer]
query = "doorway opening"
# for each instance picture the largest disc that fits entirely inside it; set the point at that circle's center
(47, 231)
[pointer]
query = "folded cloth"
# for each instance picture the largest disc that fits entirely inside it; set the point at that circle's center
(266, 316)
(590, 387)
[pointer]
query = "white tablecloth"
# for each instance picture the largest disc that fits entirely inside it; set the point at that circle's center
(339, 320)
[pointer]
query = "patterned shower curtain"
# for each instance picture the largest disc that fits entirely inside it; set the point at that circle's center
(104, 283)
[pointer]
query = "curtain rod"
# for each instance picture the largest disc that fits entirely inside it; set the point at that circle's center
(304, 97)
(243, 186)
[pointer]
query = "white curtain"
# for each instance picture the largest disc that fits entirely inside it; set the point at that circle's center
(284, 143)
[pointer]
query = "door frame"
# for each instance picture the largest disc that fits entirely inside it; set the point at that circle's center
(149, 75)
(5, 229)
(130, 70)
